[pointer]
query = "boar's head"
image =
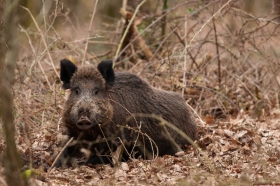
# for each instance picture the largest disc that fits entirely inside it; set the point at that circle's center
(88, 103)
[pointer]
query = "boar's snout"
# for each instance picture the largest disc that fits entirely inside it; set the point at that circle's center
(84, 123)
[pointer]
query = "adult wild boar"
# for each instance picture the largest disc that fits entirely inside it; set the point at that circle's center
(101, 101)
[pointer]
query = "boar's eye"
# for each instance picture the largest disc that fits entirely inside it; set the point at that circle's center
(76, 90)
(96, 91)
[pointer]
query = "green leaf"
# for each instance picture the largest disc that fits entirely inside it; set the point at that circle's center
(191, 10)
(29, 172)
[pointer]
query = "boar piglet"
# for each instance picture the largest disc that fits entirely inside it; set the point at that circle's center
(101, 101)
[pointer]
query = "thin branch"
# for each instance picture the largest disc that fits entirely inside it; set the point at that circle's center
(57, 157)
(203, 27)
(218, 54)
(34, 52)
(127, 28)
(43, 39)
(185, 58)
(154, 22)
(89, 29)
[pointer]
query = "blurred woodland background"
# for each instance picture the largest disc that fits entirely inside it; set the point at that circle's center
(222, 56)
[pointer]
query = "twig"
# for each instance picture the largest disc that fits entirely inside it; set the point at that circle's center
(124, 4)
(158, 48)
(161, 43)
(140, 132)
(201, 121)
(43, 39)
(204, 26)
(100, 55)
(185, 58)
(57, 157)
(127, 28)
(163, 122)
(269, 62)
(89, 29)
(154, 22)
(218, 54)
(55, 13)
(214, 91)
(163, 26)
(99, 125)
(103, 43)
(259, 19)
(184, 44)
(34, 52)
(39, 58)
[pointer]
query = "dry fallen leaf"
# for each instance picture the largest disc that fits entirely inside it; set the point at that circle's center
(229, 133)
(120, 175)
(116, 155)
(157, 164)
(124, 166)
(209, 120)
(180, 154)
(240, 134)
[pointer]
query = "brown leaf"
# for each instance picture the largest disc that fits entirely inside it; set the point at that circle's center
(124, 166)
(48, 137)
(257, 140)
(220, 132)
(263, 140)
(209, 120)
(240, 134)
(120, 175)
(180, 154)
(246, 149)
(205, 142)
(116, 155)
(225, 147)
(157, 164)
(233, 146)
(273, 159)
(229, 133)
(88, 176)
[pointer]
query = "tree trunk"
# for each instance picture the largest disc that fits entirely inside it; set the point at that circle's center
(9, 52)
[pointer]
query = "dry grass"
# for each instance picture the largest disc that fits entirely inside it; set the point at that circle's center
(226, 66)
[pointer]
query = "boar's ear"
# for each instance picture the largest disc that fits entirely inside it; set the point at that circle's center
(107, 71)
(67, 69)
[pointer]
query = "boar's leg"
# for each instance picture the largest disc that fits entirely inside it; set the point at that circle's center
(95, 160)
(66, 157)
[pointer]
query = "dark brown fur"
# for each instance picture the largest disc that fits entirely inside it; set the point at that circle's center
(118, 96)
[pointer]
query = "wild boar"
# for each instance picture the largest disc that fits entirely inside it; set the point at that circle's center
(101, 101)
